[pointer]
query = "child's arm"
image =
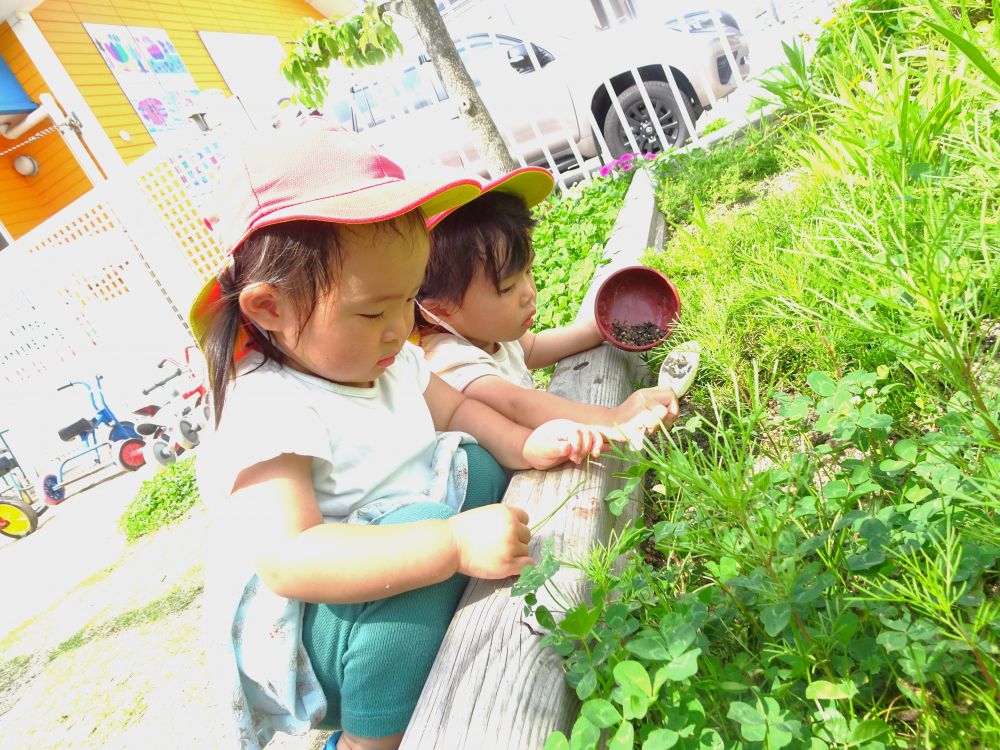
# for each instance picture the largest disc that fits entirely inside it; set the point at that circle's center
(548, 347)
(641, 412)
(511, 444)
(298, 556)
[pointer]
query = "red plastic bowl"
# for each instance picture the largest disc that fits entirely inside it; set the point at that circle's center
(635, 295)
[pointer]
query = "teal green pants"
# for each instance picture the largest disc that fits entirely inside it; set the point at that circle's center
(372, 659)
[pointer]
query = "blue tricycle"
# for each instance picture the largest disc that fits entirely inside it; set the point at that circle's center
(123, 443)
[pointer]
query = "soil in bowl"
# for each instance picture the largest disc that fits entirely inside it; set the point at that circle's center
(638, 334)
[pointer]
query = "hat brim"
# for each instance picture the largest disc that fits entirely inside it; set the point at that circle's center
(531, 184)
(433, 193)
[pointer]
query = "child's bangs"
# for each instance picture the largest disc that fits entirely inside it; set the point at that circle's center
(506, 255)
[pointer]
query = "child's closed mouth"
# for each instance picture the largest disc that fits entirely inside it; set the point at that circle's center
(386, 362)
(530, 320)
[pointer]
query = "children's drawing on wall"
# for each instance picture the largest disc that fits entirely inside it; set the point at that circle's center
(151, 73)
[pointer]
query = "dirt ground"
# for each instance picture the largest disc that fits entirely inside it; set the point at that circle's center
(139, 687)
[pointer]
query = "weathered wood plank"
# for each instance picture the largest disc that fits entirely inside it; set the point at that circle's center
(492, 685)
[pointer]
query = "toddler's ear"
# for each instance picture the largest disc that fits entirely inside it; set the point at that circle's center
(437, 307)
(264, 306)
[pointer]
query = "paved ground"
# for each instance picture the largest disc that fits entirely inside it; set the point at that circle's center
(144, 686)
(74, 540)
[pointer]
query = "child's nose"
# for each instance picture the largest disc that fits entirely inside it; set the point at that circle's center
(398, 328)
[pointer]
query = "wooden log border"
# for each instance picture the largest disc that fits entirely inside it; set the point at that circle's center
(492, 685)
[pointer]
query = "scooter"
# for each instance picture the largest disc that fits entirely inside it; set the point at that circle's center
(124, 445)
(18, 514)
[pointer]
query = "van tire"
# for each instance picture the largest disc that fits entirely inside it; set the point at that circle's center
(668, 111)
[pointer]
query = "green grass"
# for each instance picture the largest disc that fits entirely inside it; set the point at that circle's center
(724, 174)
(11, 670)
(176, 601)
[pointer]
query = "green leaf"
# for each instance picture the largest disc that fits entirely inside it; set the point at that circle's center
(684, 666)
(584, 736)
(600, 713)
(661, 739)
(869, 730)
(545, 618)
(868, 559)
(836, 489)
(556, 741)
(821, 690)
(587, 685)
(906, 450)
(648, 648)
(875, 422)
(633, 678)
(710, 740)
(753, 726)
(580, 620)
(624, 738)
(776, 618)
(892, 466)
(821, 383)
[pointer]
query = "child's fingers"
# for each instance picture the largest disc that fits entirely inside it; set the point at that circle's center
(520, 514)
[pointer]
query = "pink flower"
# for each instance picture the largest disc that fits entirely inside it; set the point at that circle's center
(625, 167)
(606, 170)
(626, 158)
(650, 157)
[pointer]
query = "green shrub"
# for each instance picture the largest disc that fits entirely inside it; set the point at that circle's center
(161, 500)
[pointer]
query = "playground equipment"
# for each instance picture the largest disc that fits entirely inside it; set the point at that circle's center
(123, 444)
(18, 515)
(175, 424)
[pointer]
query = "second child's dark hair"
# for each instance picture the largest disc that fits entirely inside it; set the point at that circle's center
(302, 260)
(493, 232)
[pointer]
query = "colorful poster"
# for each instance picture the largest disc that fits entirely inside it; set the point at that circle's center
(151, 74)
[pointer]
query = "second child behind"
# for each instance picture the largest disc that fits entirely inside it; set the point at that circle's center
(478, 301)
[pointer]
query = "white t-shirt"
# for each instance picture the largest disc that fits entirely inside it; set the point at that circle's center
(366, 444)
(458, 362)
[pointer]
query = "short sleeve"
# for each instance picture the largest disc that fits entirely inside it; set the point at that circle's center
(264, 416)
(457, 362)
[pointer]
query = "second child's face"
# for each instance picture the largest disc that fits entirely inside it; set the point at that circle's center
(488, 315)
(359, 327)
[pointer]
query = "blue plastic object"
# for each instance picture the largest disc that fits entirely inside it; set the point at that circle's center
(13, 99)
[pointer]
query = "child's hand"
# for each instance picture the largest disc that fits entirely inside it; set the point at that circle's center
(643, 412)
(560, 439)
(491, 542)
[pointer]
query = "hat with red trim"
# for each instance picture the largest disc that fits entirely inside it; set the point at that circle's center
(317, 172)
(531, 184)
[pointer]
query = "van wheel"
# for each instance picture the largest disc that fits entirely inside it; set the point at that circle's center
(639, 121)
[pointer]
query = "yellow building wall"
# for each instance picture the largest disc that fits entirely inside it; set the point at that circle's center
(26, 202)
(61, 22)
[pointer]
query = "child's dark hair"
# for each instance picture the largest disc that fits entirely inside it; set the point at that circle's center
(302, 260)
(492, 232)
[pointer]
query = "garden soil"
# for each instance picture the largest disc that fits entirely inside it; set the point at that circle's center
(143, 687)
